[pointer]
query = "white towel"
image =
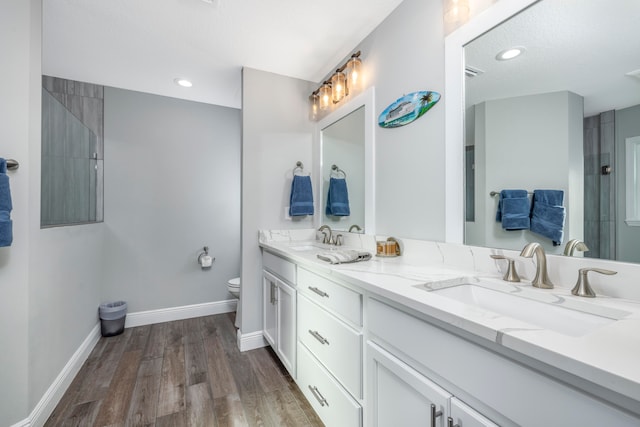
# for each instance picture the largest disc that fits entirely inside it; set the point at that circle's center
(346, 256)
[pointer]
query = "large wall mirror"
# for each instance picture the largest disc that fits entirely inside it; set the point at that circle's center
(346, 152)
(556, 117)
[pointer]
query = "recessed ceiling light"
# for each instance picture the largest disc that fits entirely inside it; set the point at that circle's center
(183, 82)
(510, 53)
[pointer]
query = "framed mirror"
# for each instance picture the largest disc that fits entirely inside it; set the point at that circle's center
(346, 141)
(573, 50)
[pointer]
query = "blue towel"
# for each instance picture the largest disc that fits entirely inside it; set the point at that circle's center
(338, 198)
(513, 210)
(301, 200)
(6, 229)
(548, 214)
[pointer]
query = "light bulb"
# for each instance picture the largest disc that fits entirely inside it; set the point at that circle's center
(353, 72)
(314, 100)
(337, 86)
(325, 96)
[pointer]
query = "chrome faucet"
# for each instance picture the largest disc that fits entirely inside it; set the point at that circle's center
(325, 239)
(356, 226)
(573, 245)
(542, 278)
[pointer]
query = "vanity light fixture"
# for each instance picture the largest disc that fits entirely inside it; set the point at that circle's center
(338, 86)
(346, 79)
(354, 64)
(314, 100)
(456, 13)
(183, 82)
(325, 95)
(510, 53)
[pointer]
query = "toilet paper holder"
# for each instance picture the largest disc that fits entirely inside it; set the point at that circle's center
(204, 259)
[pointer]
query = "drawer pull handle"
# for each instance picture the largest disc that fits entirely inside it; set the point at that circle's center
(318, 291)
(317, 395)
(319, 337)
(434, 414)
(450, 423)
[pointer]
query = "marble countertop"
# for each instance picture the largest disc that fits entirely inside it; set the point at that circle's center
(608, 355)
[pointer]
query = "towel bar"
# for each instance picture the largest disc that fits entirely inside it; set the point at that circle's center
(497, 193)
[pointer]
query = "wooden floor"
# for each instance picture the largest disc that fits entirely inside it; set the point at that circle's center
(183, 373)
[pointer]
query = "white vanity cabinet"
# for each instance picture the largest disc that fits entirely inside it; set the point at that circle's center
(280, 308)
(506, 391)
(400, 395)
(461, 415)
(330, 348)
(366, 356)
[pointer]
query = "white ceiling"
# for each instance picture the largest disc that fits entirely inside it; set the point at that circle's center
(585, 47)
(144, 45)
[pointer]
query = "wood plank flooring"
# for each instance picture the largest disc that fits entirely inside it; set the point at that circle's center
(183, 373)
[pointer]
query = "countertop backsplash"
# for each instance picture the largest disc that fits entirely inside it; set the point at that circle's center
(563, 270)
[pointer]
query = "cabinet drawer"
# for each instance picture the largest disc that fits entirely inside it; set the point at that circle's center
(330, 401)
(279, 266)
(342, 301)
(335, 345)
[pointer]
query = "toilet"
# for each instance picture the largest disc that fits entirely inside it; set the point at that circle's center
(233, 286)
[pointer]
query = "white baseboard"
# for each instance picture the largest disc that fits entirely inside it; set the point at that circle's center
(150, 317)
(52, 396)
(23, 423)
(56, 390)
(251, 340)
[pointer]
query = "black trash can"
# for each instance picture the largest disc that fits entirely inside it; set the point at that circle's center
(112, 317)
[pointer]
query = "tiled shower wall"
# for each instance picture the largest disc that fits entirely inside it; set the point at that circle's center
(72, 152)
(599, 187)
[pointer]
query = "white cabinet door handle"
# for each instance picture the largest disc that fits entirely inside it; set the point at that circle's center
(319, 337)
(273, 292)
(318, 396)
(318, 291)
(450, 423)
(434, 414)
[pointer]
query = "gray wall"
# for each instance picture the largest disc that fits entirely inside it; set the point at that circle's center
(274, 137)
(404, 54)
(48, 278)
(628, 238)
(16, 84)
(172, 186)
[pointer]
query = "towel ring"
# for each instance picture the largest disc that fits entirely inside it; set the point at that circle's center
(337, 170)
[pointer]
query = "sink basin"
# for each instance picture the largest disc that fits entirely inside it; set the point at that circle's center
(575, 319)
(305, 247)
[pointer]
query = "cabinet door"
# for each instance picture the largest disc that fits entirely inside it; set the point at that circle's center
(269, 304)
(286, 341)
(463, 415)
(398, 395)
